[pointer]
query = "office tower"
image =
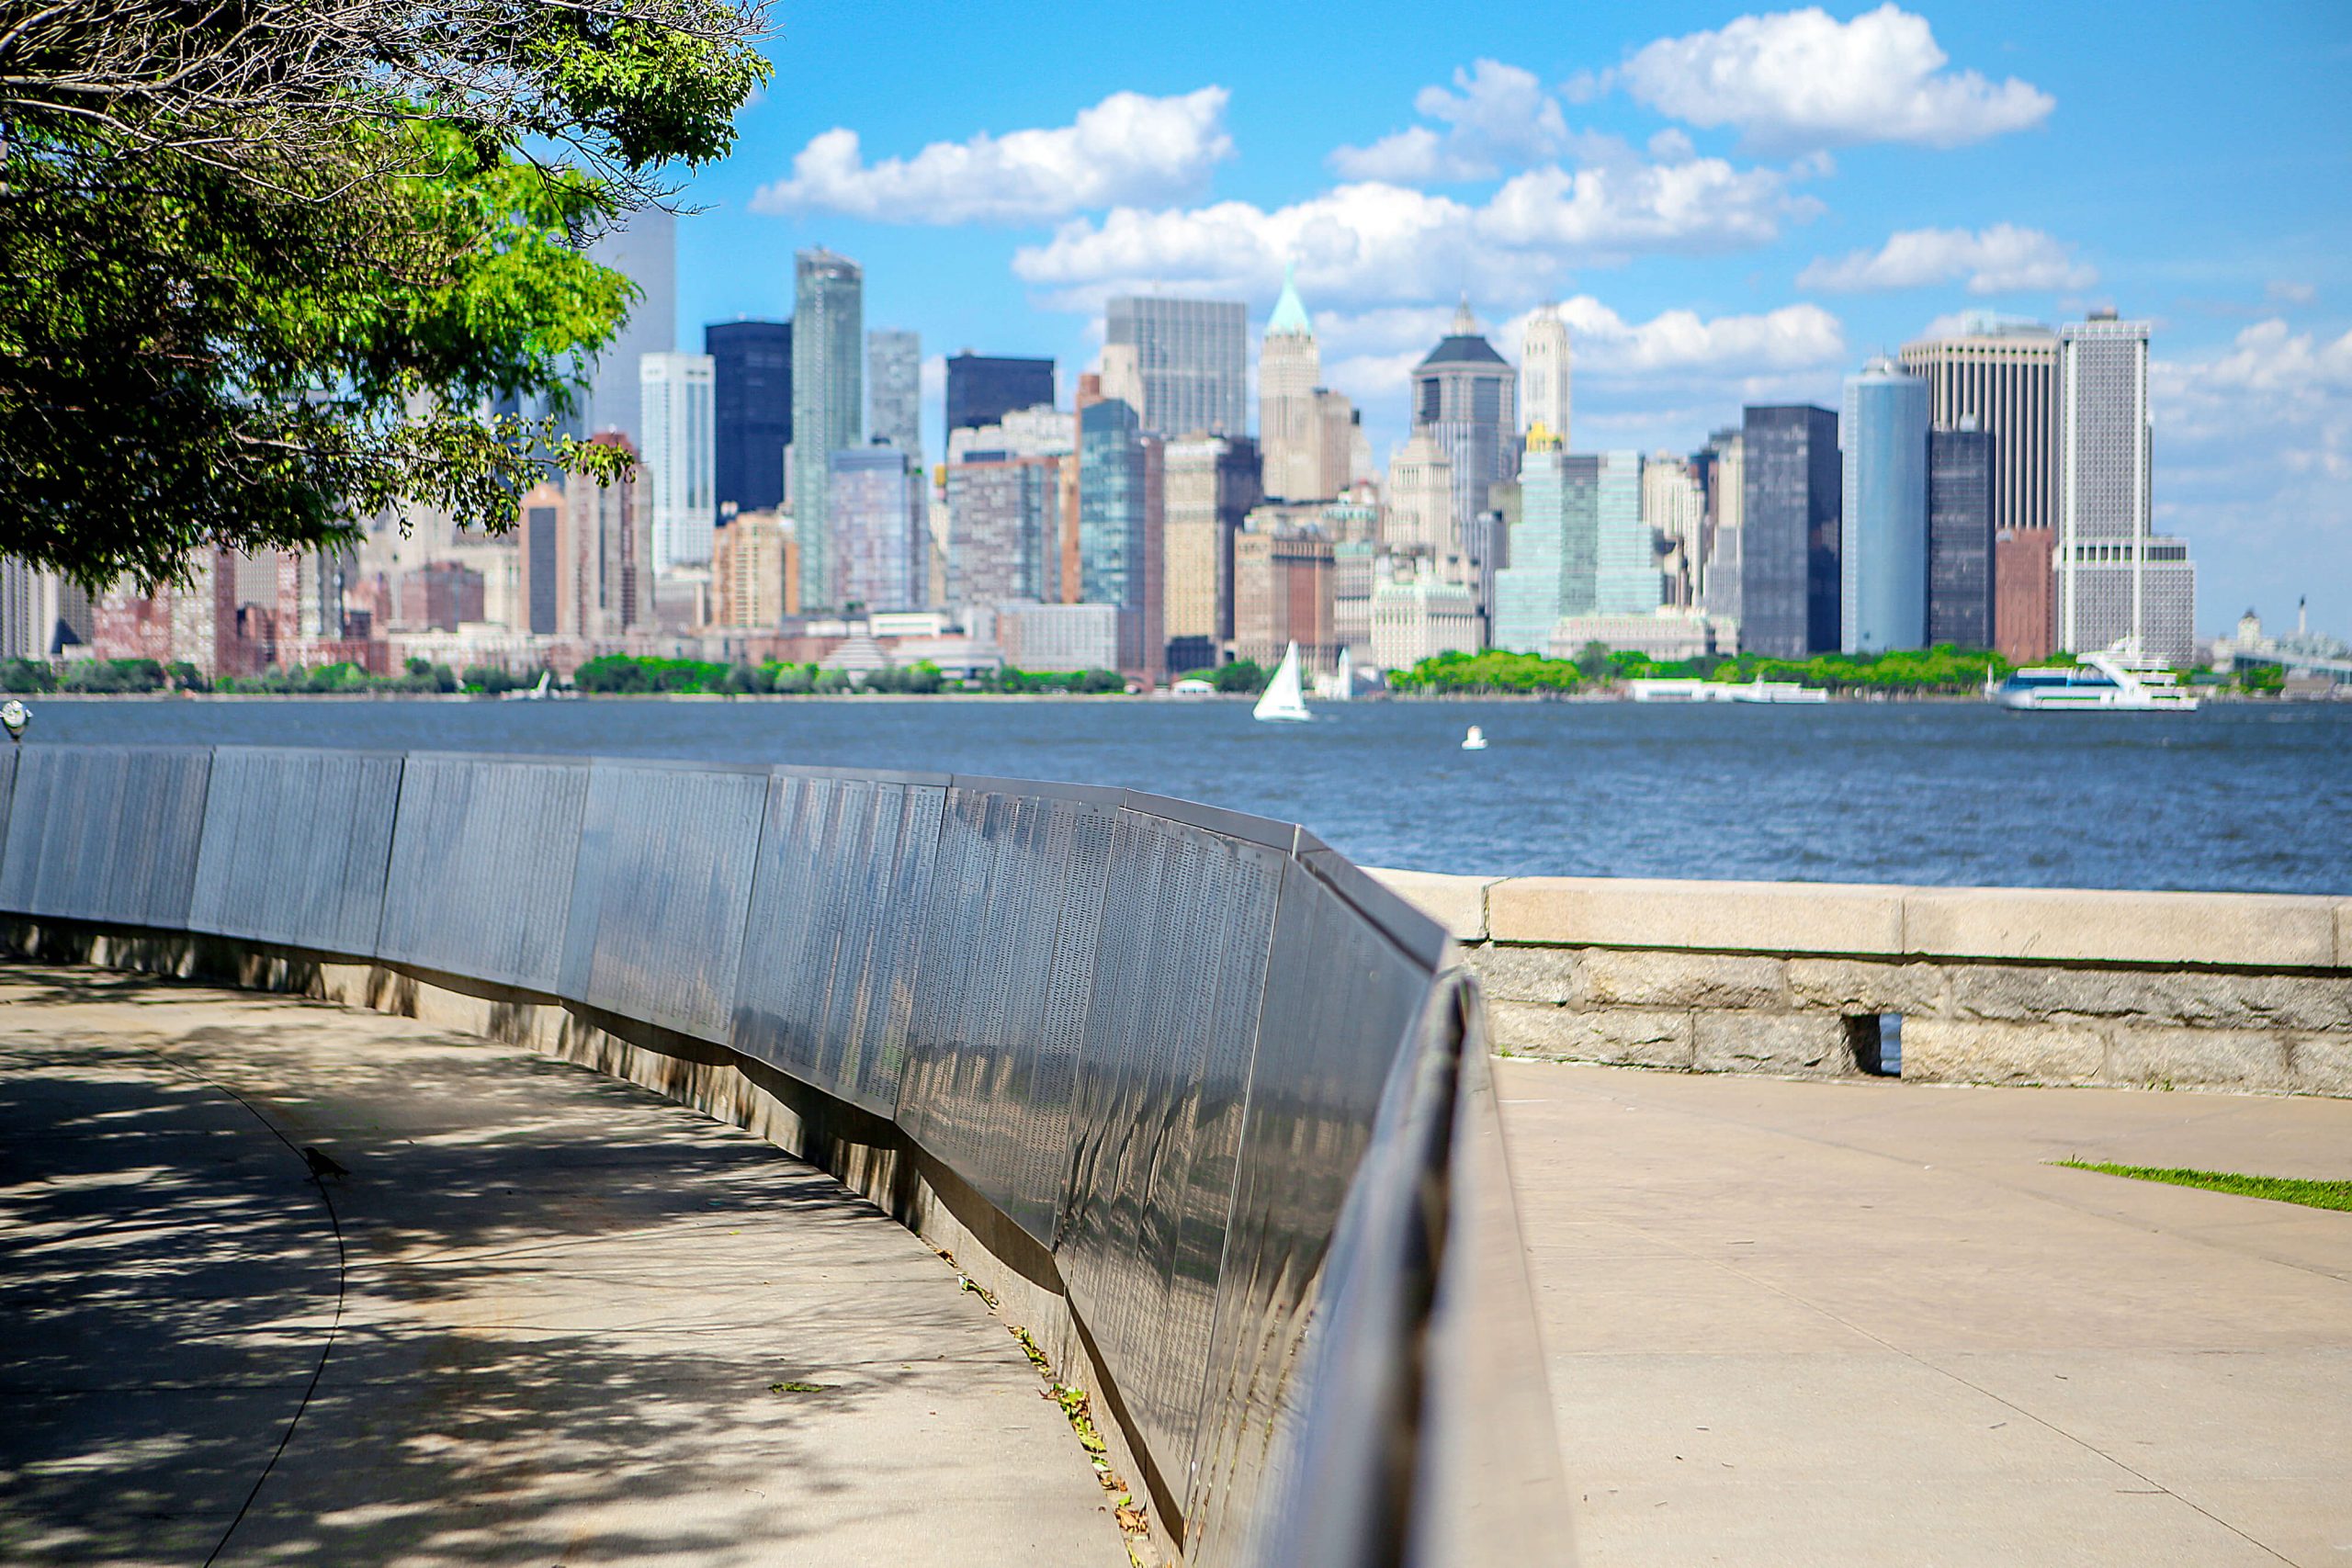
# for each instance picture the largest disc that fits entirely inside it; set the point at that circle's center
(679, 454)
(1721, 467)
(880, 555)
(1004, 511)
(1416, 615)
(1555, 546)
(538, 525)
(2002, 374)
(1190, 359)
(440, 596)
(1119, 521)
(1626, 576)
(1789, 519)
(42, 612)
(1290, 426)
(1465, 399)
(312, 584)
(607, 589)
(982, 391)
(1960, 538)
(1545, 362)
(2117, 578)
(753, 585)
(1674, 508)
(1883, 501)
(751, 412)
(1212, 481)
(646, 251)
(1282, 594)
(1421, 499)
(828, 406)
(893, 391)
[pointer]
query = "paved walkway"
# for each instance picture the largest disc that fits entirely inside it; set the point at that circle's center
(540, 1324)
(1848, 1323)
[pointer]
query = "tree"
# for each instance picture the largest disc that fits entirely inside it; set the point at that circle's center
(271, 260)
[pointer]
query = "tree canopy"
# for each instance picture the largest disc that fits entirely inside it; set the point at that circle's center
(272, 261)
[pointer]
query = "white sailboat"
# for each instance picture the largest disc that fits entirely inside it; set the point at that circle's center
(1283, 703)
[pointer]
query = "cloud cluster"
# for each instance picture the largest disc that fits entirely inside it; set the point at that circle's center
(1795, 80)
(1496, 116)
(1129, 148)
(2003, 259)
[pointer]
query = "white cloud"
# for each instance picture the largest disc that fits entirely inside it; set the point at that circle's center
(1803, 79)
(2286, 291)
(1374, 241)
(1496, 117)
(1129, 148)
(2001, 259)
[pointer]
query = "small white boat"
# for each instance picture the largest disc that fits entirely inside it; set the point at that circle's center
(1475, 741)
(1762, 691)
(1191, 687)
(544, 692)
(2118, 679)
(1285, 702)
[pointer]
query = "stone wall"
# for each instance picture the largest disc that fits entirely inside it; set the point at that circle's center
(2237, 991)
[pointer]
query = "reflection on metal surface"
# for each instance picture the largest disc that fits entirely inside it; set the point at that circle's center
(1238, 1090)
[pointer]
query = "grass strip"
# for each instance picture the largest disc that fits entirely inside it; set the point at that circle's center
(2277, 1189)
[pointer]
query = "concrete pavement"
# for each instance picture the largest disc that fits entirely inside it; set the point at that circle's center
(1851, 1323)
(549, 1317)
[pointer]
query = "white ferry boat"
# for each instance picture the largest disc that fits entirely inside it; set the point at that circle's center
(1762, 691)
(2119, 679)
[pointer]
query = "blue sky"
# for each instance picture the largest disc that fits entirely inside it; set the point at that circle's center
(1732, 205)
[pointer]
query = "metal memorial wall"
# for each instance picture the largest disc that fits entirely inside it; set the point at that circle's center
(1236, 1089)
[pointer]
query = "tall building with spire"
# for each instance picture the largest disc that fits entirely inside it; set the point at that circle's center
(1289, 372)
(1465, 400)
(1544, 367)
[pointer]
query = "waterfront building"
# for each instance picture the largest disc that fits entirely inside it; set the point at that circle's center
(981, 389)
(751, 412)
(1789, 523)
(1004, 526)
(644, 248)
(1211, 484)
(1186, 360)
(893, 391)
(1119, 527)
(42, 612)
(2117, 577)
(1059, 638)
(2002, 373)
(1960, 538)
(1882, 502)
(606, 587)
(1283, 594)
(1544, 366)
(1721, 469)
(1555, 548)
(1674, 509)
(1421, 499)
(1416, 614)
(828, 406)
(880, 560)
(1465, 400)
(1667, 634)
(679, 452)
(754, 584)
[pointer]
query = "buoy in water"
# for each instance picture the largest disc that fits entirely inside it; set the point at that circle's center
(1475, 741)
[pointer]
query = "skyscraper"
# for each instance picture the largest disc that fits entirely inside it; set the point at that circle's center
(646, 251)
(828, 405)
(1626, 576)
(1119, 518)
(2002, 373)
(983, 391)
(1544, 363)
(880, 545)
(1289, 372)
(2117, 578)
(1003, 513)
(1192, 359)
(1212, 481)
(678, 453)
(1960, 538)
(751, 410)
(540, 525)
(1722, 467)
(1788, 510)
(1466, 398)
(1420, 498)
(1674, 508)
(893, 391)
(1882, 492)
(606, 587)
(1555, 546)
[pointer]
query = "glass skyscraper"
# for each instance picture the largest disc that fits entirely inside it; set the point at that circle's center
(875, 506)
(893, 391)
(2116, 577)
(646, 251)
(1882, 539)
(1555, 546)
(1960, 538)
(1119, 525)
(828, 406)
(982, 391)
(1789, 522)
(1193, 358)
(750, 399)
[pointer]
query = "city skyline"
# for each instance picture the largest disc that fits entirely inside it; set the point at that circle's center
(1776, 249)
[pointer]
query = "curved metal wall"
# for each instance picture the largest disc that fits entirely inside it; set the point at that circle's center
(1236, 1088)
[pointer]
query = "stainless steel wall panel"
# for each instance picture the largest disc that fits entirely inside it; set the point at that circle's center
(105, 834)
(660, 892)
(506, 831)
(7, 792)
(295, 847)
(1156, 1120)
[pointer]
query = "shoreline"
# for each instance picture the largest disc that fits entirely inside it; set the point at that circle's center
(1835, 698)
